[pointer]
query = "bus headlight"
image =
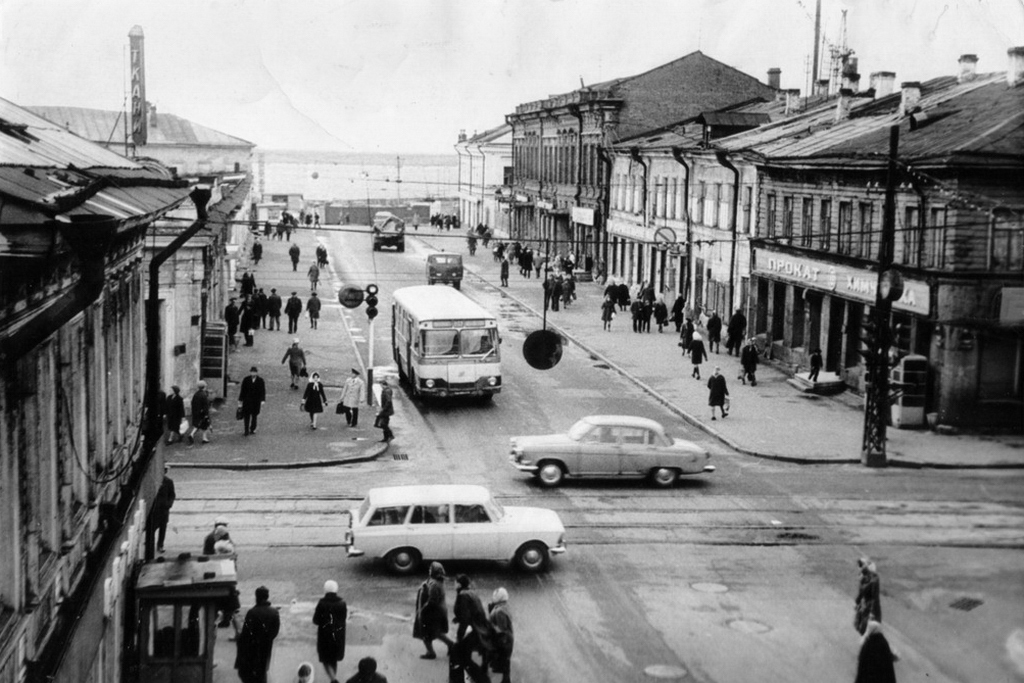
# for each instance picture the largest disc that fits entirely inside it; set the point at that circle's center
(492, 381)
(429, 384)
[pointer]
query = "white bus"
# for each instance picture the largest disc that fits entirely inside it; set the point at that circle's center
(444, 343)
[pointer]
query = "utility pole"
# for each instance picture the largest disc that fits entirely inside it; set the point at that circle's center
(876, 335)
(817, 43)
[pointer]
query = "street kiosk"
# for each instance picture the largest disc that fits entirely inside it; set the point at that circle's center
(176, 607)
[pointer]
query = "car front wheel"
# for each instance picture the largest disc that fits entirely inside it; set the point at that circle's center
(403, 560)
(550, 474)
(532, 557)
(664, 477)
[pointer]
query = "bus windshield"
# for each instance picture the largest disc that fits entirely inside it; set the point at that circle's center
(480, 342)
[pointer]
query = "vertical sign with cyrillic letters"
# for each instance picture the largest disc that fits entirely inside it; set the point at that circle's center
(138, 67)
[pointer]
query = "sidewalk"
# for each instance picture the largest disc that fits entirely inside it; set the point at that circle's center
(329, 350)
(772, 420)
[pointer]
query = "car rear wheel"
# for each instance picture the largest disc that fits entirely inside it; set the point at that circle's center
(664, 477)
(550, 474)
(532, 557)
(457, 285)
(403, 560)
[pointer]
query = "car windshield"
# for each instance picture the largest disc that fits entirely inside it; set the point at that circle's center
(441, 342)
(445, 260)
(580, 429)
(497, 512)
(478, 342)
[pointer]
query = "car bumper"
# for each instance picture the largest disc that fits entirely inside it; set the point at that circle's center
(522, 467)
(352, 551)
(709, 468)
(557, 549)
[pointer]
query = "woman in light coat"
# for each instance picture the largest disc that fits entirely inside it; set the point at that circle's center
(314, 399)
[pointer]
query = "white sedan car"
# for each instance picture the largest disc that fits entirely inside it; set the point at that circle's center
(405, 525)
(609, 446)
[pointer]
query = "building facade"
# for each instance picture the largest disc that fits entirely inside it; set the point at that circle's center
(485, 180)
(76, 476)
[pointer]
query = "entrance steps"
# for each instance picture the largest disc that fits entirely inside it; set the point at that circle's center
(828, 384)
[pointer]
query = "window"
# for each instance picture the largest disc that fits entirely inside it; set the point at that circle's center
(388, 516)
(599, 434)
(702, 191)
(634, 435)
(673, 197)
(477, 342)
(862, 242)
(935, 239)
(787, 218)
(769, 215)
(845, 227)
(429, 514)
(748, 205)
(825, 230)
(911, 232)
(1007, 252)
(471, 514)
(664, 197)
(441, 343)
(717, 221)
(807, 223)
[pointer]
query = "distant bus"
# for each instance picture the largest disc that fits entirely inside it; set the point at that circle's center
(444, 343)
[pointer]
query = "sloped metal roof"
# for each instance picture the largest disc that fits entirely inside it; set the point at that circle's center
(733, 118)
(108, 127)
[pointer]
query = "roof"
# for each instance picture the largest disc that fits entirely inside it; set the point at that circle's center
(627, 420)
(492, 134)
(427, 494)
(733, 119)
(109, 127)
(47, 172)
(439, 303)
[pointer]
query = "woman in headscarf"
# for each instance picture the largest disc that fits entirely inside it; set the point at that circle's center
(502, 637)
(314, 399)
(330, 616)
(431, 621)
(875, 660)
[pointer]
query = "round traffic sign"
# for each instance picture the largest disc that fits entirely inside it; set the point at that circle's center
(665, 235)
(542, 349)
(350, 297)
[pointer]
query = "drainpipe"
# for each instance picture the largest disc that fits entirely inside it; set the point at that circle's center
(606, 200)
(89, 237)
(723, 159)
(200, 197)
(677, 154)
(574, 109)
(634, 154)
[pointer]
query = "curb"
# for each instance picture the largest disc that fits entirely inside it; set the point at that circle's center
(690, 419)
(366, 456)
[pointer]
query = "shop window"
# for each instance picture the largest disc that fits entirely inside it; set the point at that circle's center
(787, 218)
(911, 232)
(862, 241)
(1007, 240)
(806, 224)
(845, 227)
(935, 239)
(825, 230)
(769, 215)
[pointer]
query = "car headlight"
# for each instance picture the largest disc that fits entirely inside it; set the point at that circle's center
(429, 383)
(492, 381)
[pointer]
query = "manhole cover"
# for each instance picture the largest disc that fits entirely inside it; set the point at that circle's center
(965, 604)
(748, 626)
(797, 536)
(401, 456)
(665, 671)
(709, 587)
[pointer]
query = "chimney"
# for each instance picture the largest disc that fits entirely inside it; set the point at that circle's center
(152, 115)
(1015, 70)
(792, 100)
(882, 82)
(821, 87)
(462, 135)
(911, 95)
(851, 79)
(968, 65)
(774, 77)
(843, 105)
(136, 42)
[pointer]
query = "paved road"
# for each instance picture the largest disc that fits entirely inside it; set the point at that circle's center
(749, 569)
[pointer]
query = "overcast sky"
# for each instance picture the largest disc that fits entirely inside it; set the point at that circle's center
(407, 75)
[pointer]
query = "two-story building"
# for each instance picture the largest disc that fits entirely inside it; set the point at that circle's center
(561, 146)
(485, 179)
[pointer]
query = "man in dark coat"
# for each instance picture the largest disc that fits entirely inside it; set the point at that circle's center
(294, 252)
(175, 414)
(274, 310)
(504, 272)
(293, 309)
(200, 414)
(231, 317)
(698, 354)
(247, 322)
(678, 312)
(260, 306)
(330, 616)
(816, 364)
(248, 284)
(256, 641)
(748, 359)
(313, 306)
(717, 391)
(251, 398)
(715, 333)
(257, 251)
(623, 296)
(162, 504)
(736, 329)
(686, 336)
(473, 634)
(387, 409)
(431, 622)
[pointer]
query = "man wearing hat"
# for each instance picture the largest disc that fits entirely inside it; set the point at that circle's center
(256, 641)
(387, 409)
(162, 504)
(251, 398)
(220, 531)
(293, 309)
(200, 414)
(296, 358)
(352, 396)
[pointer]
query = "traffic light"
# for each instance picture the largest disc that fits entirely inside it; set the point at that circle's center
(869, 341)
(371, 301)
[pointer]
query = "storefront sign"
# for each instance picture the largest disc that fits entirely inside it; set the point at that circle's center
(522, 198)
(845, 281)
(138, 66)
(582, 215)
(541, 204)
(631, 231)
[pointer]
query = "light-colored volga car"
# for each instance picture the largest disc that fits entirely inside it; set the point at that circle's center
(609, 446)
(405, 525)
